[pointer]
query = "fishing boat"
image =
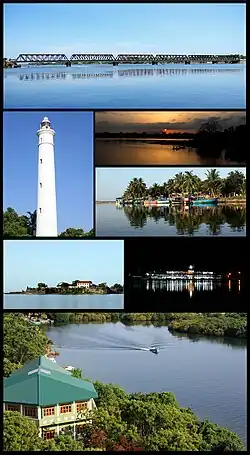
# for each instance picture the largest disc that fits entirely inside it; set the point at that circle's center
(204, 201)
(154, 350)
(148, 202)
(176, 200)
(163, 201)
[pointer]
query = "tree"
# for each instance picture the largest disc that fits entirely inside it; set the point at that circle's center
(234, 183)
(210, 127)
(64, 442)
(136, 189)
(102, 285)
(20, 433)
(63, 285)
(77, 373)
(22, 342)
(32, 223)
(42, 285)
(14, 225)
(73, 232)
(213, 182)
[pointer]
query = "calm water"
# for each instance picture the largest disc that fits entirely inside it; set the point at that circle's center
(209, 375)
(169, 221)
(133, 87)
(176, 295)
(70, 302)
(149, 151)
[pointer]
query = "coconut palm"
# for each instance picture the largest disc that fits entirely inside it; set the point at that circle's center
(192, 183)
(155, 190)
(179, 182)
(213, 182)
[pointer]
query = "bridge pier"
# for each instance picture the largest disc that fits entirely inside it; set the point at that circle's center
(68, 63)
(115, 63)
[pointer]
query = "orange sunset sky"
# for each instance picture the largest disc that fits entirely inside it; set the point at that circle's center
(172, 121)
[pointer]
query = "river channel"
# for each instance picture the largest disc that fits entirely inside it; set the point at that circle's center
(206, 374)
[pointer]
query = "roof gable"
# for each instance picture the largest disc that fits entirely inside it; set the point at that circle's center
(42, 382)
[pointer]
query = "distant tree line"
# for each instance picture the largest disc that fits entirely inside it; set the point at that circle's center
(15, 225)
(185, 183)
(65, 288)
(210, 141)
(208, 324)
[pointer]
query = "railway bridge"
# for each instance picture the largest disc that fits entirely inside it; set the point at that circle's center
(129, 59)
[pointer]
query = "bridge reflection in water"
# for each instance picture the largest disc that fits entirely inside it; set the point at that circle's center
(136, 72)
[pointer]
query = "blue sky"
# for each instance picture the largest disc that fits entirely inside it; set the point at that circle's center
(73, 161)
(112, 182)
(27, 263)
(124, 28)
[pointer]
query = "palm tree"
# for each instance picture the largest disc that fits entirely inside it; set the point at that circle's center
(170, 186)
(179, 181)
(136, 189)
(192, 183)
(213, 182)
(155, 190)
(32, 223)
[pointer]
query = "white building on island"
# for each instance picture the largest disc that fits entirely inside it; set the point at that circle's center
(46, 222)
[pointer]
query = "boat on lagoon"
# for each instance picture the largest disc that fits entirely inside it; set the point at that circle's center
(172, 200)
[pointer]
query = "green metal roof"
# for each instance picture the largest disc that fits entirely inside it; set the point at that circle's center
(42, 383)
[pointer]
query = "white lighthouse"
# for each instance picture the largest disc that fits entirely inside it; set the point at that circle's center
(46, 222)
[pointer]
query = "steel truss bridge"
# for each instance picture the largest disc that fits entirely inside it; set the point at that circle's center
(45, 59)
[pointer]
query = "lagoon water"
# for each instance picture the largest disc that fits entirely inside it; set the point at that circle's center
(70, 302)
(126, 86)
(165, 221)
(206, 374)
(148, 152)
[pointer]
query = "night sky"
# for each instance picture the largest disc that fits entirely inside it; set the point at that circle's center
(213, 254)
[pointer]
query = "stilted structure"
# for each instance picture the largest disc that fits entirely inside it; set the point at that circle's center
(46, 223)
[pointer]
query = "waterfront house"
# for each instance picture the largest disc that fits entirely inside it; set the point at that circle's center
(82, 284)
(49, 395)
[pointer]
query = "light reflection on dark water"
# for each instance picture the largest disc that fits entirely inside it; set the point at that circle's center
(148, 152)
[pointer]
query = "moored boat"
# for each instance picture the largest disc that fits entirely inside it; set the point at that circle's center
(204, 201)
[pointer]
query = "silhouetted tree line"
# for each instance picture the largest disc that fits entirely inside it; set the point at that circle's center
(211, 141)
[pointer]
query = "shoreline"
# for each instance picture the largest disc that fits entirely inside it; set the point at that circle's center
(59, 293)
(186, 326)
(221, 201)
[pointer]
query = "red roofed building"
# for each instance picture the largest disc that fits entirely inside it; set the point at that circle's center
(82, 284)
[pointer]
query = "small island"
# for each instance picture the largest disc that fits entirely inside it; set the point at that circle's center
(76, 287)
